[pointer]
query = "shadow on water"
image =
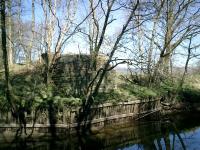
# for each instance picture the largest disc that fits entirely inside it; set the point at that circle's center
(52, 118)
(84, 117)
(180, 131)
(19, 115)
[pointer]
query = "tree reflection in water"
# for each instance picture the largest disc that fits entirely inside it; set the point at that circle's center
(169, 134)
(166, 139)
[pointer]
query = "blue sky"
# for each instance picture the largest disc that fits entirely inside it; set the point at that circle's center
(77, 43)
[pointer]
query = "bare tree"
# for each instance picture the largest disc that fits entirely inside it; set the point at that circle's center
(179, 23)
(170, 23)
(155, 20)
(57, 30)
(190, 55)
(93, 89)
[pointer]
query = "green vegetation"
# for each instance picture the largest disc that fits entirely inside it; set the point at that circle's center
(28, 90)
(141, 92)
(169, 89)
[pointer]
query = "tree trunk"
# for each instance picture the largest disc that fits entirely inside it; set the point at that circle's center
(10, 51)
(186, 63)
(29, 50)
(168, 37)
(5, 54)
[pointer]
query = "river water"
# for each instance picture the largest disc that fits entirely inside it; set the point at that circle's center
(177, 131)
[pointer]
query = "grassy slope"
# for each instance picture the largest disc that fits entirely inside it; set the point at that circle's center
(24, 76)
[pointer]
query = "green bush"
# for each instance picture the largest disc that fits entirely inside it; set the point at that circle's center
(141, 92)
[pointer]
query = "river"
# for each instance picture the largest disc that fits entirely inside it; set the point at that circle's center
(177, 131)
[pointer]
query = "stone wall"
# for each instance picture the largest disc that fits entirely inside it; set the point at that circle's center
(73, 73)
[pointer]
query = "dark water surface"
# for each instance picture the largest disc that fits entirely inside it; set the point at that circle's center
(180, 131)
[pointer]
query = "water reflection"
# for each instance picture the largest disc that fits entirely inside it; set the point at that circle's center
(171, 133)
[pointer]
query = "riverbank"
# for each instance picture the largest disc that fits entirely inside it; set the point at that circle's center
(66, 119)
(180, 107)
(102, 115)
(147, 132)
